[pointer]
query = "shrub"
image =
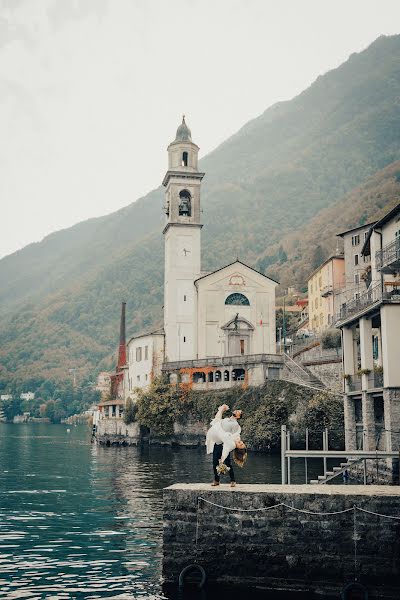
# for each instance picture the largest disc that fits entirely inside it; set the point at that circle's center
(331, 339)
(130, 412)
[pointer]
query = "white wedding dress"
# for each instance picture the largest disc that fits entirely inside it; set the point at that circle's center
(222, 433)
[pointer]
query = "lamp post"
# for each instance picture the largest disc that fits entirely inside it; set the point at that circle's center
(284, 323)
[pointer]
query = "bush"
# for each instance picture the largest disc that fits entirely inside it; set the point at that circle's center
(130, 412)
(325, 411)
(331, 339)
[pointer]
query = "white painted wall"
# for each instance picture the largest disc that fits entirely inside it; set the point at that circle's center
(142, 372)
(390, 327)
(213, 313)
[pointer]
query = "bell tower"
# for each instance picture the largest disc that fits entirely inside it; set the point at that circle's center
(182, 246)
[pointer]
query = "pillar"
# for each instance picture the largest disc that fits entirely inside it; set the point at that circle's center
(349, 423)
(348, 351)
(368, 422)
(390, 327)
(367, 361)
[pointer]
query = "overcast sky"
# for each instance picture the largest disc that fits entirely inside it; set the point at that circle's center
(91, 91)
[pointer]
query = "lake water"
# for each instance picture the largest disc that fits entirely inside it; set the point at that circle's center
(79, 520)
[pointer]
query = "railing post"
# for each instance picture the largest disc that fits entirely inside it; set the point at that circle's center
(283, 454)
(288, 458)
(365, 471)
(305, 460)
(325, 447)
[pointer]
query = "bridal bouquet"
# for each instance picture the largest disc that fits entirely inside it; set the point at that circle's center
(222, 469)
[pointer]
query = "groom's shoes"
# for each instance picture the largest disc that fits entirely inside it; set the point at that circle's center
(214, 483)
(233, 483)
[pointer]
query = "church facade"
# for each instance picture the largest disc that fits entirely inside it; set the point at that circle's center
(219, 327)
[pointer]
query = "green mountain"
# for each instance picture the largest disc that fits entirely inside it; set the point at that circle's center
(60, 298)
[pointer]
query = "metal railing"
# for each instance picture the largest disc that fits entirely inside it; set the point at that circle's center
(389, 254)
(358, 304)
(354, 383)
(350, 457)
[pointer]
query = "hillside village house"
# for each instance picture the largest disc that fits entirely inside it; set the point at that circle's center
(370, 324)
(324, 286)
(219, 327)
(357, 266)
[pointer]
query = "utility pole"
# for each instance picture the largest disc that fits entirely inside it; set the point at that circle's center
(284, 323)
(280, 339)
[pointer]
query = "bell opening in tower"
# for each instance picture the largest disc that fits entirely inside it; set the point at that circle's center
(185, 157)
(185, 208)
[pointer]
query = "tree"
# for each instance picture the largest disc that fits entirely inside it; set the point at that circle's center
(130, 412)
(318, 257)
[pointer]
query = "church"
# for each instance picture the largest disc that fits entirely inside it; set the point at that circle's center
(219, 327)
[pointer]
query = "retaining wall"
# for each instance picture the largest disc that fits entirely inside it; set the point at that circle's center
(282, 548)
(115, 432)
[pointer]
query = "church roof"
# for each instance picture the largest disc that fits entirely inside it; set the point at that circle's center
(233, 263)
(183, 133)
(147, 334)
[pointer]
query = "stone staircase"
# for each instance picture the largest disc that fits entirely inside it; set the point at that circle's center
(344, 466)
(294, 373)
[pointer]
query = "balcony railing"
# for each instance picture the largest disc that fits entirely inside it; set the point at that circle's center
(368, 298)
(364, 300)
(326, 291)
(354, 383)
(389, 256)
(218, 361)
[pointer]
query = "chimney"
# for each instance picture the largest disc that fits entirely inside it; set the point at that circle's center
(122, 340)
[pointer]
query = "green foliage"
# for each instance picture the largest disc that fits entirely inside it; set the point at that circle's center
(265, 409)
(11, 408)
(319, 255)
(54, 403)
(331, 339)
(130, 412)
(325, 410)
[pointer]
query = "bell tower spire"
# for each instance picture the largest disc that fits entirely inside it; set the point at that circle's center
(182, 184)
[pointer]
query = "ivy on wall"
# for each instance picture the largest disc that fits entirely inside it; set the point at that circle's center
(265, 409)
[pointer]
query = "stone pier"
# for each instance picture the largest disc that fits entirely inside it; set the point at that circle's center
(282, 548)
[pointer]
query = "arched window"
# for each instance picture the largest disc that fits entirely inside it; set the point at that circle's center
(226, 375)
(185, 157)
(237, 300)
(217, 375)
(211, 377)
(185, 206)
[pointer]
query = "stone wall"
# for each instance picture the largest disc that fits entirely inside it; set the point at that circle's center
(115, 432)
(324, 364)
(282, 548)
(330, 373)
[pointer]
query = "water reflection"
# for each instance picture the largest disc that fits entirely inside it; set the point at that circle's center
(83, 521)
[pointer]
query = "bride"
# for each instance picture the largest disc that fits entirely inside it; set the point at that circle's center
(223, 437)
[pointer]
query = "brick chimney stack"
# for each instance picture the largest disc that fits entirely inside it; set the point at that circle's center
(122, 339)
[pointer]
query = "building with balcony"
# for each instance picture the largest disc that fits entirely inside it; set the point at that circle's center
(370, 324)
(324, 286)
(356, 265)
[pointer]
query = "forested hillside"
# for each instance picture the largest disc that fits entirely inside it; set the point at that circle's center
(264, 188)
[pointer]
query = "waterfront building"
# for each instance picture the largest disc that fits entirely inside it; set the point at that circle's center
(112, 405)
(6, 397)
(219, 327)
(370, 324)
(27, 396)
(324, 287)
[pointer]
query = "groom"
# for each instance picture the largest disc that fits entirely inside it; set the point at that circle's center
(230, 425)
